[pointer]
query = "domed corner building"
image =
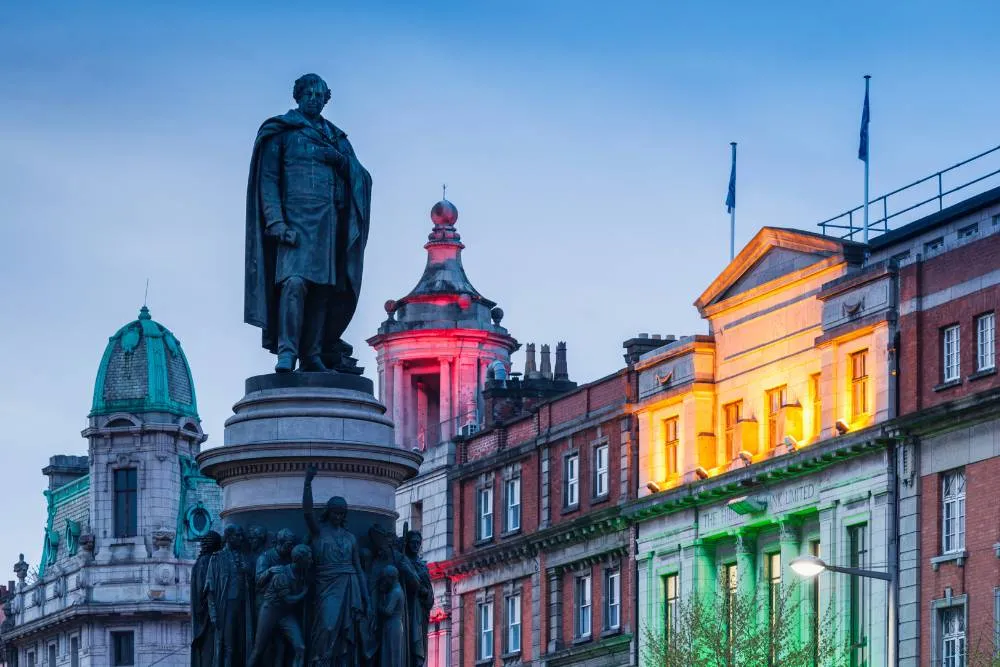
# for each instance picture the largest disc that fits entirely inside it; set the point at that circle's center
(123, 523)
(439, 351)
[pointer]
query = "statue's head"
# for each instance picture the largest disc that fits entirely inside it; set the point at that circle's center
(311, 94)
(302, 556)
(336, 511)
(211, 543)
(414, 541)
(389, 577)
(257, 537)
(234, 536)
(285, 542)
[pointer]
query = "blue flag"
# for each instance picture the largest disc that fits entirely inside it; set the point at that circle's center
(731, 195)
(865, 118)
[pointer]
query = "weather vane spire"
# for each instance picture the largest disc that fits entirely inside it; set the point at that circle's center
(145, 295)
(444, 191)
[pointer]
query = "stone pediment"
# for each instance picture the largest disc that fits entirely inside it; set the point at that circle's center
(771, 255)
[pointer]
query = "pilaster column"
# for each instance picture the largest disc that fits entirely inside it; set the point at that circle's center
(791, 584)
(397, 401)
(422, 430)
(704, 569)
(555, 609)
(746, 564)
(444, 401)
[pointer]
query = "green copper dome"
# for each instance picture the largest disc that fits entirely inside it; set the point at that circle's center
(144, 370)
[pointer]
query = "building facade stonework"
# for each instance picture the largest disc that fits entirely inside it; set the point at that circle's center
(123, 522)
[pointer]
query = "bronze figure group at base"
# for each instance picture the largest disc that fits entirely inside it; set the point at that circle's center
(325, 602)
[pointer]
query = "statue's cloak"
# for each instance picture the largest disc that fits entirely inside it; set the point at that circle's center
(260, 300)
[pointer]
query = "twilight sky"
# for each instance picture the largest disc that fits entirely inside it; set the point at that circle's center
(585, 144)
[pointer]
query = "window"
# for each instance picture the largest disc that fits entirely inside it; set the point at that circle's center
(934, 245)
(953, 511)
(122, 648)
(773, 562)
(74, 652)
(600, 471)
(670, 443)
(859, 384)
(484, 639)
(582, 596)
(968, 231)
(126, 519)
(52, 655)
(571, 480)
(901, 256)
(612, 599)
(986, 356)
(817, 405)
(732, 413)
(484, 531)
(729, 584)
(996, 220)
(857, 603)
(512, 517)
(952, 621)
(951, 368)
(670, 601)
(513, 615)
(775, 401)
(30, 659)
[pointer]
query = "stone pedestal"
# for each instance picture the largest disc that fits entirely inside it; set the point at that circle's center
(288, 421)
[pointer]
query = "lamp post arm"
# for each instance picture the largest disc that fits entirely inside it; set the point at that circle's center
(871, 574)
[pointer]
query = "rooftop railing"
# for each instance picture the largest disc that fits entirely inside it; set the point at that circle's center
(917, 199)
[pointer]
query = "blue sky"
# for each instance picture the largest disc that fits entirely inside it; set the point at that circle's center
(585, 144)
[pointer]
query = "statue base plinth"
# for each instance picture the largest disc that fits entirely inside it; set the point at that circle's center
(287, 421)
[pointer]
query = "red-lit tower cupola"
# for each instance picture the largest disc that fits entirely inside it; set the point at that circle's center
(437, 345)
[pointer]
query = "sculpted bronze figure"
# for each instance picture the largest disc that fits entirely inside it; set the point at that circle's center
(340, 635)
(419, 598)
(308, 214)
(286, 587)
(203, 642)
(228, 597)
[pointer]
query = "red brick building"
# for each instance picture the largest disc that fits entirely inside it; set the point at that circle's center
(949, 424)
(543, 568)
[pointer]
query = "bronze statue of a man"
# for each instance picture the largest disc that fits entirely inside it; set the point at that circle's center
(308, 213)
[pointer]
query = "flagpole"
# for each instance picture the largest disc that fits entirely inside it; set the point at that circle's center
(868, 153)
(732, 215)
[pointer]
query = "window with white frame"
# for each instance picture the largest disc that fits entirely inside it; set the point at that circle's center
(953, 511)
(582, 598)
(986, 355)
(951, 365)
(484, 638)
(513, 616)
(601, 471)
(484, 527)
(571, 480)
(612, 599)
(512, 515)
(952, 626)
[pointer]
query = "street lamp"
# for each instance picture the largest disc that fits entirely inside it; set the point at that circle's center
(810, 566)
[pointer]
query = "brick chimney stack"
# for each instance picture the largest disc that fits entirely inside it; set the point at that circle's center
(530, 370)
(562, 371)
(546, 369)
